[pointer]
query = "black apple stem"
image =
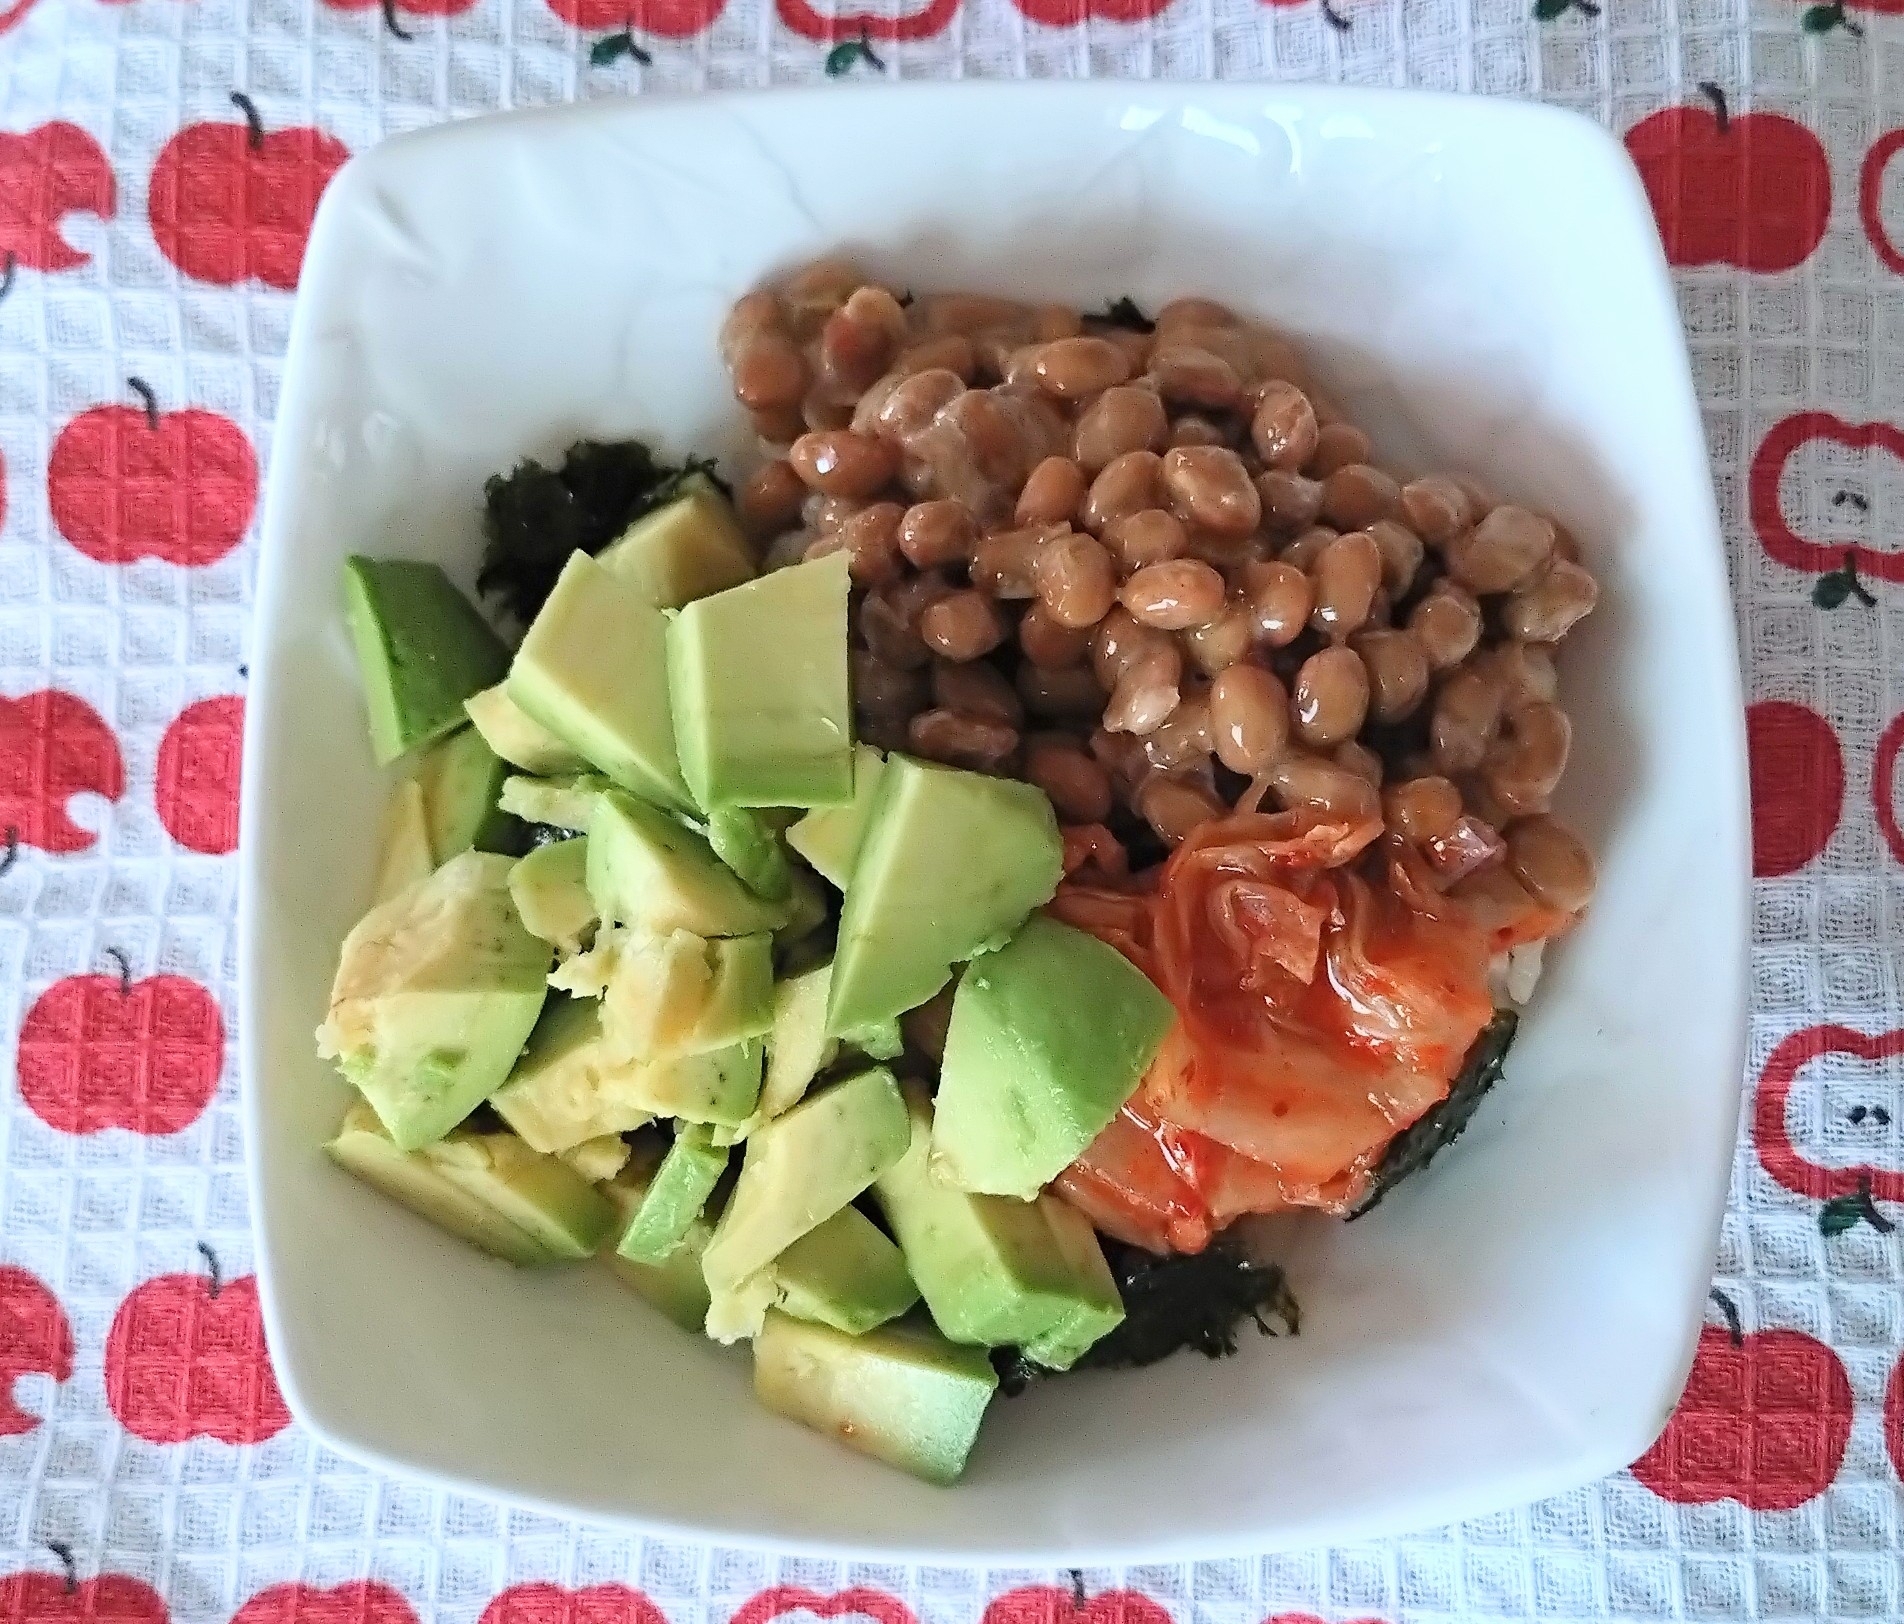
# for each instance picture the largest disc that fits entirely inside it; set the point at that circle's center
(390, 22)
(1730, 1310)
(253, 122)
(211, 1266)
(6, 276)
(148, 398)
(1717, 97)
(118, 957)
(65, 1553)
(13, 850)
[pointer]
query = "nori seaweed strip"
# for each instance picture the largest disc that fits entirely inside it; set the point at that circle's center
(1417, 1145)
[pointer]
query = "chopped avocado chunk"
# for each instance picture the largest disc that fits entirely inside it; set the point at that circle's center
(736, 1313)
(797, 1045)
(570, 1085)
(745, 844)
(593, 670)
(877, 1040)
(829, 837)
(676, 1195)
(951, 864)
(675, 1285)
(1049, 1037)
(403, 843)
(846, 1274)
(681, 994)
(435, 993)
(806, 910)
(802, 1167)
(683, 551)
(757, 678)
(598, 1160)
(461, 778)
(551, 892)
(518, 737)
(488, 1189)
(989, 1267)
(902, 1394)
(648, 871)
(1097, 1309)
(422, 649)
(720, 1086)
(561, 803)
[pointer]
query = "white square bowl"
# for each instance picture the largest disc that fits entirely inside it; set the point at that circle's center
(1481, 284)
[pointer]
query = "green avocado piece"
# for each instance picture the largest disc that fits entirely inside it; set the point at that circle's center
(1049, 1037)
(798, 1048)
(990, 1268)
(551, 892)
(951, 864)
(461, 778)
(801, 1168)
(435, 993)
(846, 1274)
(757, 678)
(742, 840)
(679, 994)
(720, 1086)
(422, 649)
(683, 551)
(1097, 1307)
(678, 1192)
(647, 871)
(403, 843)
(561, 803)
(829, 837)
(902, 1393)
(675, 1285)
(489, 1189)
(569, 1084)
(516, 736)
(593, 670)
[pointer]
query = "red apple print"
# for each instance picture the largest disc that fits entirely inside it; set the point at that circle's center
(56, 1598)
(45, 175)
(861, 1601)
(53, 746)
(1066, 13)
(1752, 191)
(668, 19)
(228, 202)
(1764, 1421)
(1871, 199)
(1310, 1618)
(1797, 785)
(810, 23)
(1781, 543)
(1048, 1604)
(186, 1358)
(34, 1339)
(197, 788)
(130, 482)
(358, 1601)
(101, 1052)
(1884, 785)
(1894, 1418)
(1850, 1194)
(551, 1604)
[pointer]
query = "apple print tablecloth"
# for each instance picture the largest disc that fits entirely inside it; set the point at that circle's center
(159, 160)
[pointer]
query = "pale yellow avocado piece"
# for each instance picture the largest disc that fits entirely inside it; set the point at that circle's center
(571, 1085)
(720, 1086)
(562, 803)
(488, 1189)
(651, 872)
(679, 994)
(518, 737)
(683, 551)
(436, 992)
(550, 893)
(829, 836)
(403, 843)
(593, 670)
(598, 1160)
(802, 1167)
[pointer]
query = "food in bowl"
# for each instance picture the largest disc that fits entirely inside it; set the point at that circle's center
(1069, 799)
